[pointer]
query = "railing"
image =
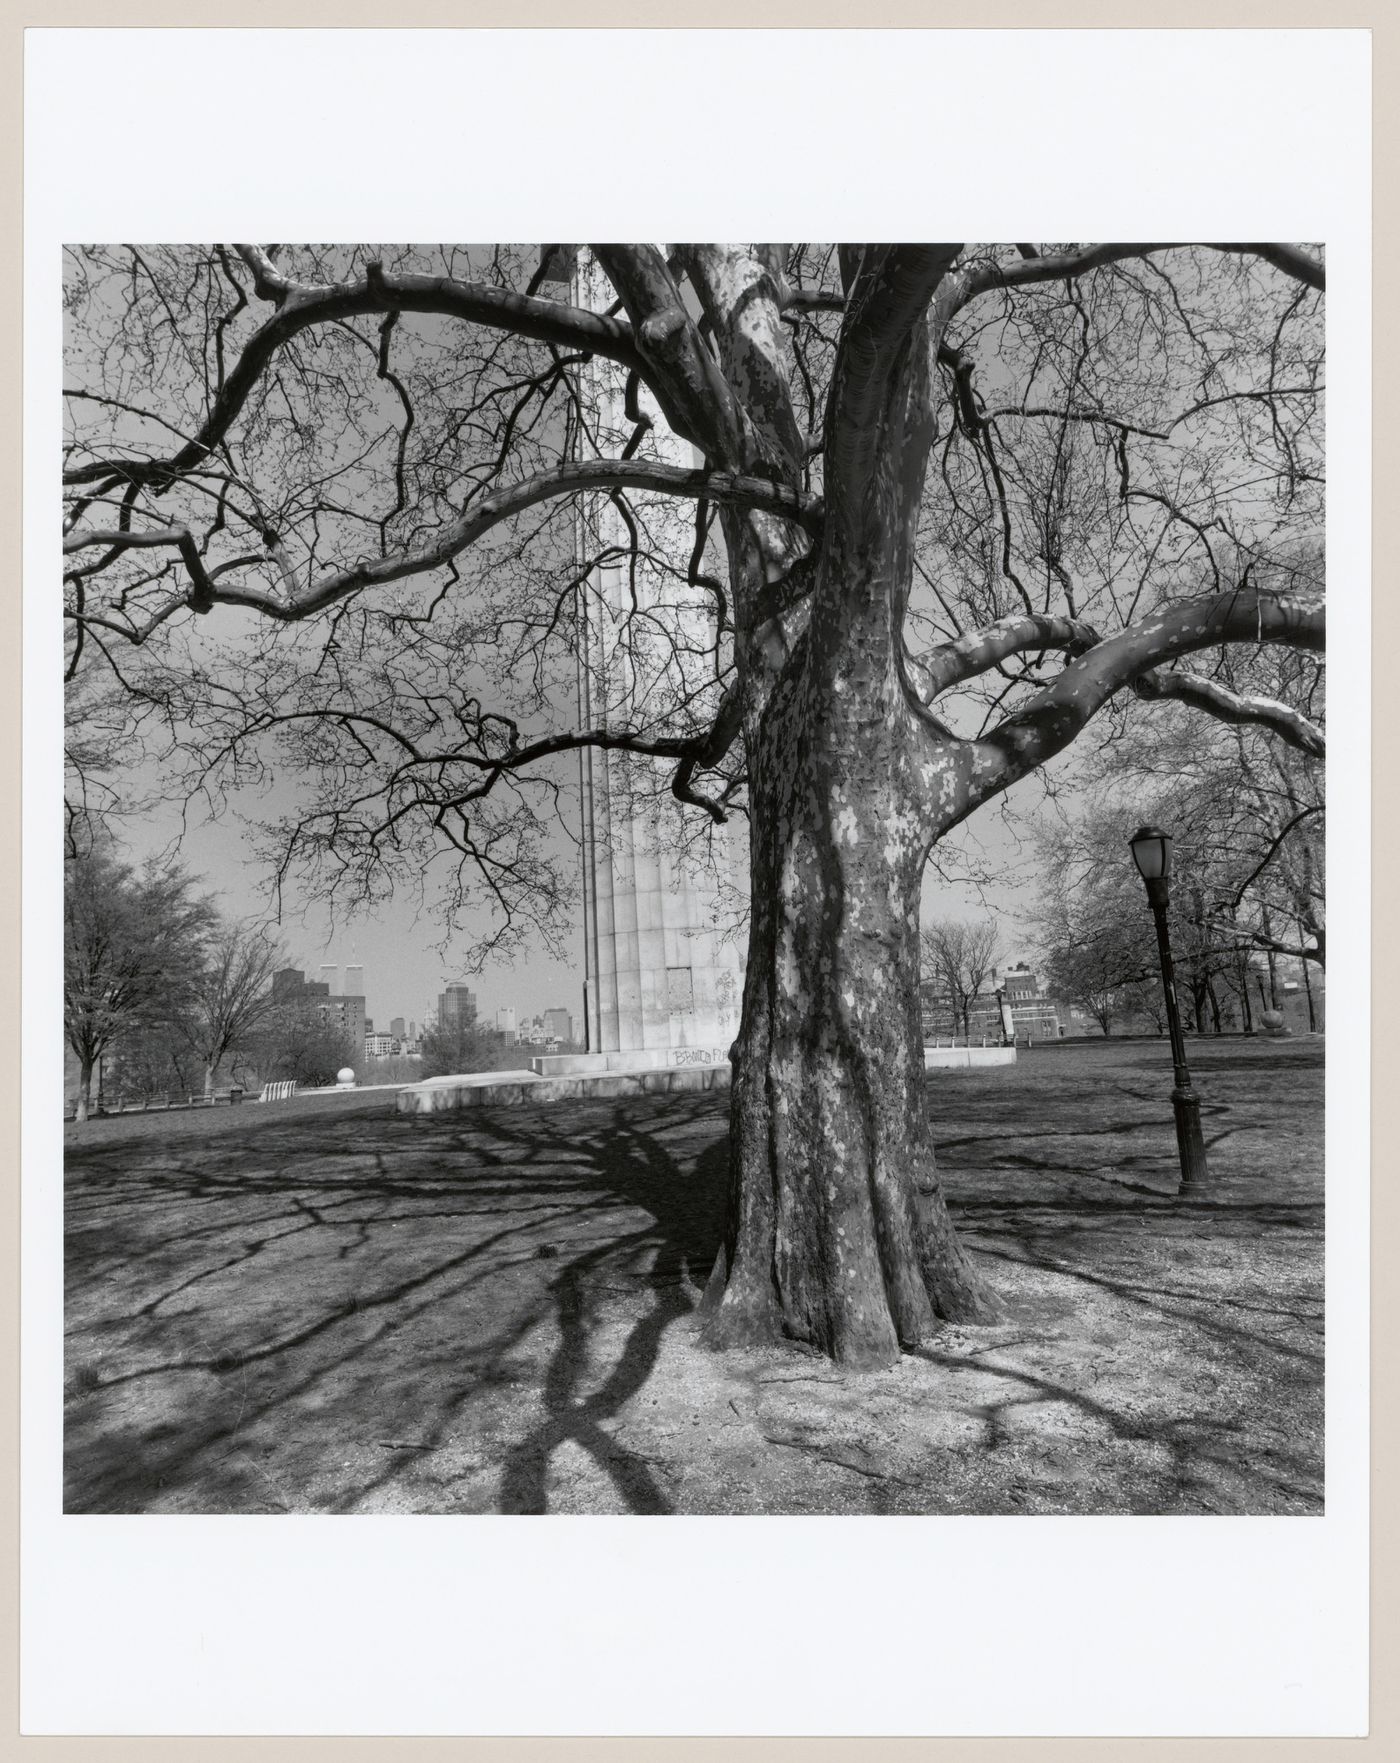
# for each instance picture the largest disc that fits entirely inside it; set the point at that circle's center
(108, 1106)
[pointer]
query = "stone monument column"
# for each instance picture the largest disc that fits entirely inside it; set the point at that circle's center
(661, 887)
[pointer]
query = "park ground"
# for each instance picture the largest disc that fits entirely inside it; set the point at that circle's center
(326, 1306)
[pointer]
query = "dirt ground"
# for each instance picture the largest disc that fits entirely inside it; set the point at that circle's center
(325, 1306)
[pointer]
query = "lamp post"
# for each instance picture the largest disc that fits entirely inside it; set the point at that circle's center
(1152, 852)
(1008, 1021)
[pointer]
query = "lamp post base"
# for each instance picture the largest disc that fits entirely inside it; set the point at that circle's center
(1190, 1145)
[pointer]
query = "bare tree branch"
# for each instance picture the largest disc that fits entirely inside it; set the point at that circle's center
(546, 321)
(983, 277)
(977, 651)
(1055, 716)
(489, 511)
(1227, 706)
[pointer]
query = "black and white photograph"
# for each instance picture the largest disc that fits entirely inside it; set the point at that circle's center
(676, 845)
(694, 878)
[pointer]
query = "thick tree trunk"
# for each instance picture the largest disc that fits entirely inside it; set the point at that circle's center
(209, 1075)
(838, 1235)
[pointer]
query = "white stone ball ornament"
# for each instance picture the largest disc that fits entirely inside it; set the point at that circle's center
(345, 1078)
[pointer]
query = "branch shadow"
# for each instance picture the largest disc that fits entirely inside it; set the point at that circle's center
(240, 1322)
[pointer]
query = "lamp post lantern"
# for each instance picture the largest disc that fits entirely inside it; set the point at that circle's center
(1008, 1021)
(1152, 852)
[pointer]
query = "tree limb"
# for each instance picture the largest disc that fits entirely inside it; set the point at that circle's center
(546, 321)
(976, 651)
(1055, 716)
(699, 403)
(708, 753)
(268, 281)
(1227, 706)
(982, 278)
(888, 297)
(639, 474)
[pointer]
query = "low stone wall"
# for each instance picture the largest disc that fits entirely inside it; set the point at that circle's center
(593, 1076)
(510, 1088)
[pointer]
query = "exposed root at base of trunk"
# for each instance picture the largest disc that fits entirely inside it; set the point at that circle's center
(737, 1312)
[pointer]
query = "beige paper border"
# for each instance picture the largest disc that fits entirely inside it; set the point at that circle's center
(1384, 1738)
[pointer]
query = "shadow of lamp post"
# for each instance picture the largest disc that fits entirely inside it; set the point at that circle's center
(1152, 852)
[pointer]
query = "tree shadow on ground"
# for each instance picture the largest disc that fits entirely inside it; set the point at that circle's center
(218, 1303)
(371, 1311)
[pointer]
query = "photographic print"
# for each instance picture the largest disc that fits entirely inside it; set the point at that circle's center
(694, 878)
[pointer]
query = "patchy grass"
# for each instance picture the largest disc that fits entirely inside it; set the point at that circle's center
(324, 1306)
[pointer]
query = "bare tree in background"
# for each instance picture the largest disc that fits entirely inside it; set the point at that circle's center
(961, 957)
(232, 994)
(133, 947)
(947, 502)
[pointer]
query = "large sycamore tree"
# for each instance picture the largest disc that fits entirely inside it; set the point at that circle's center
(944, 503)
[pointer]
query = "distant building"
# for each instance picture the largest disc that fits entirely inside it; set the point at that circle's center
(396, 1027)
(346, 1015)
(1033, 1014)
(457, 1007)
(379, 1046)
(290, 983)
(505, 1024)
(556, 1025)
(355, 982)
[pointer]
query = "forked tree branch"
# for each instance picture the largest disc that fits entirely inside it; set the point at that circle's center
(699, 403)
(709, 752)
(1056, 715)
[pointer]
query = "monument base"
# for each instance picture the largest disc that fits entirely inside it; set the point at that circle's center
(596, 1076)
(482, 1089)
(633, 1060)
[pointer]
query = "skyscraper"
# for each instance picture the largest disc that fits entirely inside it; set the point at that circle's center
(456, 1006)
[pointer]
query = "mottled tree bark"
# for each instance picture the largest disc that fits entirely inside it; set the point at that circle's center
(838, 1234)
